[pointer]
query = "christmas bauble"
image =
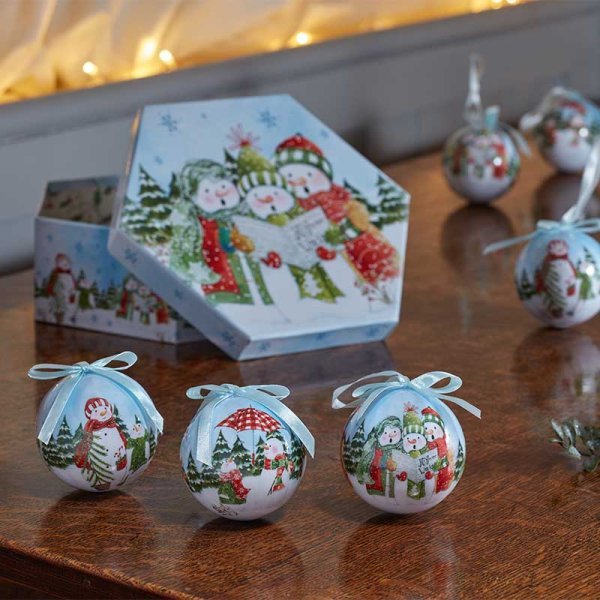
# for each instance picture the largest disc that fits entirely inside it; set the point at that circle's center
(101, 432)
(481, 164)
(558, 279)
(405, 454)
(257, 460)
(566, 130)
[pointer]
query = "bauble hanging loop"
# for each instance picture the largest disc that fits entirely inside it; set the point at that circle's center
(403, 450)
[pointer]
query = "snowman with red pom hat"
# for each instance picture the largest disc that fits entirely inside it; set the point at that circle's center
(101, 453)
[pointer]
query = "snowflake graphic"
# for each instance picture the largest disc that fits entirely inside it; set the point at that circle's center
(204, 115)
(169, 122)
(158, 160)
(240, 139)
(109, 323)
(321, 336)
(229, 339)
(267, 118)
(178, 294)
(372, 332)
(324, 133)
(94, 318)
(50, 237)
(98, 270)
(131, 256)
(264, 346)
(79, 248)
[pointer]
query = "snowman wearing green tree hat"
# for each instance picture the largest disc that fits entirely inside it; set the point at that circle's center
(268, 198)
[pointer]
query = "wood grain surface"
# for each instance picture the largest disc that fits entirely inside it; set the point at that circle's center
(522, 523)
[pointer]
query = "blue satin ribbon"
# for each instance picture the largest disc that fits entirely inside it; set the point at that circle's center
(366, 394)
(267, 396)
(73, 375)
(544, 227)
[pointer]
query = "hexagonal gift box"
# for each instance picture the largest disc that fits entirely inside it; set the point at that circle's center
(261, 226)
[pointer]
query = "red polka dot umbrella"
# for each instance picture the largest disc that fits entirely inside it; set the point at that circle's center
(250, 418)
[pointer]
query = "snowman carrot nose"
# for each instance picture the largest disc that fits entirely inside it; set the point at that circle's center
(266, 199)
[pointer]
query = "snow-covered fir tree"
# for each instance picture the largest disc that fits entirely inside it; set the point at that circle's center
(525, 288)
(392, 205)
(147, 219)
(64, 444)
(356, 448)
(192, 475)
(50, 453)
(98, 473)
(297, 457)
(221, 451)
(348, 457)
(259, 456)
(241, 457)
(460, 462)
(120, 424)
(151, 442)
(553, 295)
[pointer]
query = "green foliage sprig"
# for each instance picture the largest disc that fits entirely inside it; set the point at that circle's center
(580, 441)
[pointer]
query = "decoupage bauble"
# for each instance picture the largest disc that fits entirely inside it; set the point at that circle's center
(481, 164)
(253, 458)
(405, 452)
(97, 428)
(558, 279)
(565, 127)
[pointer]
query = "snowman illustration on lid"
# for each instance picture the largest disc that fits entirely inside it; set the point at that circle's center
(556, 280)
(268, 198)
(210, 187)
(61, 287)
(101, 451)
(310, 175)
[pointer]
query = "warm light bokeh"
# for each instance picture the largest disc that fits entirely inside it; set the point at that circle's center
(69, 44)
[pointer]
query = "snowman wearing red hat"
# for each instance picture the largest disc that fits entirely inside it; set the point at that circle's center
(101, 451)
(436, 440)
(61, 288)
(309, 175)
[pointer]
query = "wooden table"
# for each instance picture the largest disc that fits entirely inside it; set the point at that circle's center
(523, 523)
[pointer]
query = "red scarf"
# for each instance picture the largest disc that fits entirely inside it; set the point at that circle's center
(54, 276)
(440, 445)
(81, 452)
(334, 202)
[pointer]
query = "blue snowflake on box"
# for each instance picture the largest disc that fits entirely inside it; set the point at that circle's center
(229, 339)
(324, 133)
(131, 256)
(178, 294)
(267, 118)
(158, 160)
(79, 248)
(50, 237)
(372, 332)
(264, 346)
(167, 120)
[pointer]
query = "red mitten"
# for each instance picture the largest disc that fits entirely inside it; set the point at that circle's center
(402, 476)
(428, 475)
(273, 260)
(71, 298)
(325, 253)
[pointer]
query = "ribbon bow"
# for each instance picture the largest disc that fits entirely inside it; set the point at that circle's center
(268, 396)
(572, 219)
(74, 374)
(366, 394)
(534, 117)
(489, 118)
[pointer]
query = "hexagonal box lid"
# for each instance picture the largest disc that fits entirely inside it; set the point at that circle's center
(261, 226)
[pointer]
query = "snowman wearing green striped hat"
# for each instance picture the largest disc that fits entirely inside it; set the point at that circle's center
(268, 198)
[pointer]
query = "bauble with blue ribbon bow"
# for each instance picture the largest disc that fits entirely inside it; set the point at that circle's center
(97, 428)
(244, 453)
(557, 274)
(403, 450)
(565, 127)
(482, 160)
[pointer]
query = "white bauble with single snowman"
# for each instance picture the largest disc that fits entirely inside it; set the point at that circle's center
(101, 427)
(254, 462)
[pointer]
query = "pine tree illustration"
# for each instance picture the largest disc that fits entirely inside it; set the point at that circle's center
(392, 206)
(120, 424)
(221, 451)
(241, 457)
(77, 436)
(152, 442)
(553, 297)
(64, 444)
(460, 462)
(358, 195)
(525, 288)
(348, 457)
(148, 219)
(230, 165)
(50, 453)
(297, 457)
(357, 446)
(192, 475)
(98, 474)
(259, 456)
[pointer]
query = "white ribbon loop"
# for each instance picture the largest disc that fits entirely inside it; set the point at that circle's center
(268, 396)
(589, 183)
(533, 118)
(473, 110)
(424, 384)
